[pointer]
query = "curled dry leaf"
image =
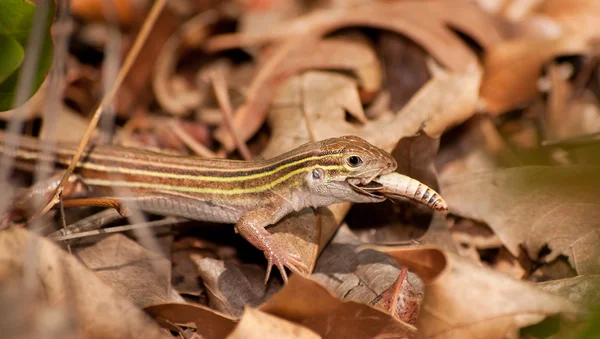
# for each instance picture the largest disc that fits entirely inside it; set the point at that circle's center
(256, 324)
(464, 300)
(65, 283)
(535, 207)
(512, 69)
(403, 17)
(293, 57)
(207, 322)
(306, 302)
(130, 269)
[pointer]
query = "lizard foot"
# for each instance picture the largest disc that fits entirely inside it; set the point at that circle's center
(281, 257)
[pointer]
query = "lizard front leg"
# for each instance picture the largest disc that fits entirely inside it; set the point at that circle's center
(252, 225)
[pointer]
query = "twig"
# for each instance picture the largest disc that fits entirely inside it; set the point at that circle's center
(93, 222)
(116, 229)
(109, 97)
(220, 88)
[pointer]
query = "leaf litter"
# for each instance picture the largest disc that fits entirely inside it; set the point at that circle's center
(492, 104)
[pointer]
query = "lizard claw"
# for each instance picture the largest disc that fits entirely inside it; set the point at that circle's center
(281, 257)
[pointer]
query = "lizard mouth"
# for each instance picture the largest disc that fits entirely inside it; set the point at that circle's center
(370, 188)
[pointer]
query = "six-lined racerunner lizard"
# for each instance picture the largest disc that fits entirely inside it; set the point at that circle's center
(249, 194)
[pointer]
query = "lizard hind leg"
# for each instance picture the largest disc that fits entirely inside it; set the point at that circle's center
(252, 225)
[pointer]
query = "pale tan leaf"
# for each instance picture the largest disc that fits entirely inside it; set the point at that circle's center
(535, 207)
(426, 23)
(464, 300)
(130, 269)
(512, 69)
(256, 324)
(65, 283)
(306, 302)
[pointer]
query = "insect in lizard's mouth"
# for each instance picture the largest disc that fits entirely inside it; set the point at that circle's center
(395, 186)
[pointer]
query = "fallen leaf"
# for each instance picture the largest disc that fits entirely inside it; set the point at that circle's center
(65, 283)
(356, 274)
(230, 288)
(306, 302)
(291, 58)
(535, 207)
(130, 269)
(207, 322)
(446, 100)
(512, 69)
(486, 309)
(400, 300)
(583, 289)
(403, 17)
(256, 324)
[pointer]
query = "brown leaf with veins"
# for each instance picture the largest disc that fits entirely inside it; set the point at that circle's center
(464, 300)
(63, 282)
(256, 324)
(512, 69)
(535, 207)
(424, 22)
(130, 269)
(307, 303)
(293, 57)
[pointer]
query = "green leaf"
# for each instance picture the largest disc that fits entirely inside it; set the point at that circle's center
(16, 21)
(11, 56)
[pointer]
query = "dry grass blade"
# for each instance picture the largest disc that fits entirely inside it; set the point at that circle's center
(108, 98)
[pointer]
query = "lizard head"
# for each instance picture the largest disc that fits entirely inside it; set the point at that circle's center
(348, 171)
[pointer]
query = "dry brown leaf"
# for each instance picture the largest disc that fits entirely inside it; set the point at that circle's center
(464, 300)
(446, 100)
(291, 58)
(207, 322)
(130, 269)
(65, 283)
(584, 290)
(535, 207)
(256, 324)
(400, 300)
(230, 288)
(354, 274)
(426, 23)
(512, 69)
(306, 302)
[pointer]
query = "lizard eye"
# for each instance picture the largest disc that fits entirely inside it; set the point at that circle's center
(354, 161)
